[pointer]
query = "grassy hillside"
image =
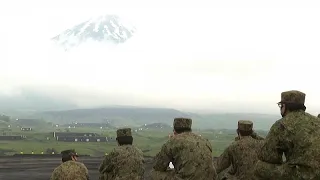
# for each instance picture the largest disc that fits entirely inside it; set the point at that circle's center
(118, 116)
(136, 117)
(133, 116)
(148, 140)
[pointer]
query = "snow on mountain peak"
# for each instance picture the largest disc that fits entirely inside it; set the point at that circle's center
(106, 28)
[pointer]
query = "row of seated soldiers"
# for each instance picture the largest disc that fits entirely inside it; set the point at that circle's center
(296, 136)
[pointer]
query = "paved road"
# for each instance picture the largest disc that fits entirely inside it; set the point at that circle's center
(13, 168)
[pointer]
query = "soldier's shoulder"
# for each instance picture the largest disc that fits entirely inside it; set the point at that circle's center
(236, 143)
(74, 163)
(192, 135)
(117, 149)
(293, 119)
(136, 148)
(125, 150)
(278, 124)
(203, 139)
(81, 164)
(58, 168)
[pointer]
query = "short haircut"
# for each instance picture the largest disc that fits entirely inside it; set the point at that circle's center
(245, 133)
(66, 157)
(295, 106)
(125, 140)
(182, 130)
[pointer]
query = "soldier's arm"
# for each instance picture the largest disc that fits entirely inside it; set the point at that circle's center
(256, 136)
(86, 172)
(54, 175)
(215, 174)
(272, 149)
(163, 158)
(107, 165)
(224, 161)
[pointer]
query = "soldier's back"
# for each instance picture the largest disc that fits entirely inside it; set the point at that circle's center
(192, 157)
(302, 132)
(70, 170)
(128, 162)
(244, 155)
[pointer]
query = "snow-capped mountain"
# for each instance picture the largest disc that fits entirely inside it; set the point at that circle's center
(107, 28)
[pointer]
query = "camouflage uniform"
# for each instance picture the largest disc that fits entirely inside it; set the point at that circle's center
(190, 154)
(242, 155)
(297, 135)
(124, 162)
(254, 135)
(70, 170)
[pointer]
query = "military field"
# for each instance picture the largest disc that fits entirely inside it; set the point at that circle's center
(149, 140)
(30, 147)
(40, 164)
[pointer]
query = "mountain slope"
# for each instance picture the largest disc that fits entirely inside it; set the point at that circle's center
(136, 116)
(118, 116)
(107, 28)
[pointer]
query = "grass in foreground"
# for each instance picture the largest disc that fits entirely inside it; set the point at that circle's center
(149, 141)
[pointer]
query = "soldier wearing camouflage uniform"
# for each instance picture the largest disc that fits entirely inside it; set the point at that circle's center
(254, 135)
(70, 169)
(125, 161)
(190, 154)
(242, 154)
(297, 136)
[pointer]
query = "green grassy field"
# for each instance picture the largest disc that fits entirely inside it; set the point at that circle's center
(148, 140)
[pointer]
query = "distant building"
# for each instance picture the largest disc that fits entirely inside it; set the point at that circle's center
(25, 129)
(84, 139)
(12, 138)
(155, 126)
(73, 134)
(94, 125)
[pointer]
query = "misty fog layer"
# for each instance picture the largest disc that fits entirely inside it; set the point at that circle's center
(230, 59)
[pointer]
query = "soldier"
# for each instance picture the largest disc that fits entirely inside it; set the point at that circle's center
(190, 154)
(70, 169)
(125, 161)
(254, 135)
(297, 136)
(242, 154)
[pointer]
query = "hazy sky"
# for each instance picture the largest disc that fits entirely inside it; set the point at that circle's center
(192, 55)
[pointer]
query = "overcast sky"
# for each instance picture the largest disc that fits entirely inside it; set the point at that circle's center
(217, 55)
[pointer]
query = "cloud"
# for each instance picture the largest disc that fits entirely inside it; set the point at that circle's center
(216, 56)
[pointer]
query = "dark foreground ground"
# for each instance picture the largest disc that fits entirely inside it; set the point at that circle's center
(40, 168)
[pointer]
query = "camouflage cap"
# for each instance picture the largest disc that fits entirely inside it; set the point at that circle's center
(124, 132)
(70, 152)
(182, 123)
(293, 96)
(318, 115)
(244, 125)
